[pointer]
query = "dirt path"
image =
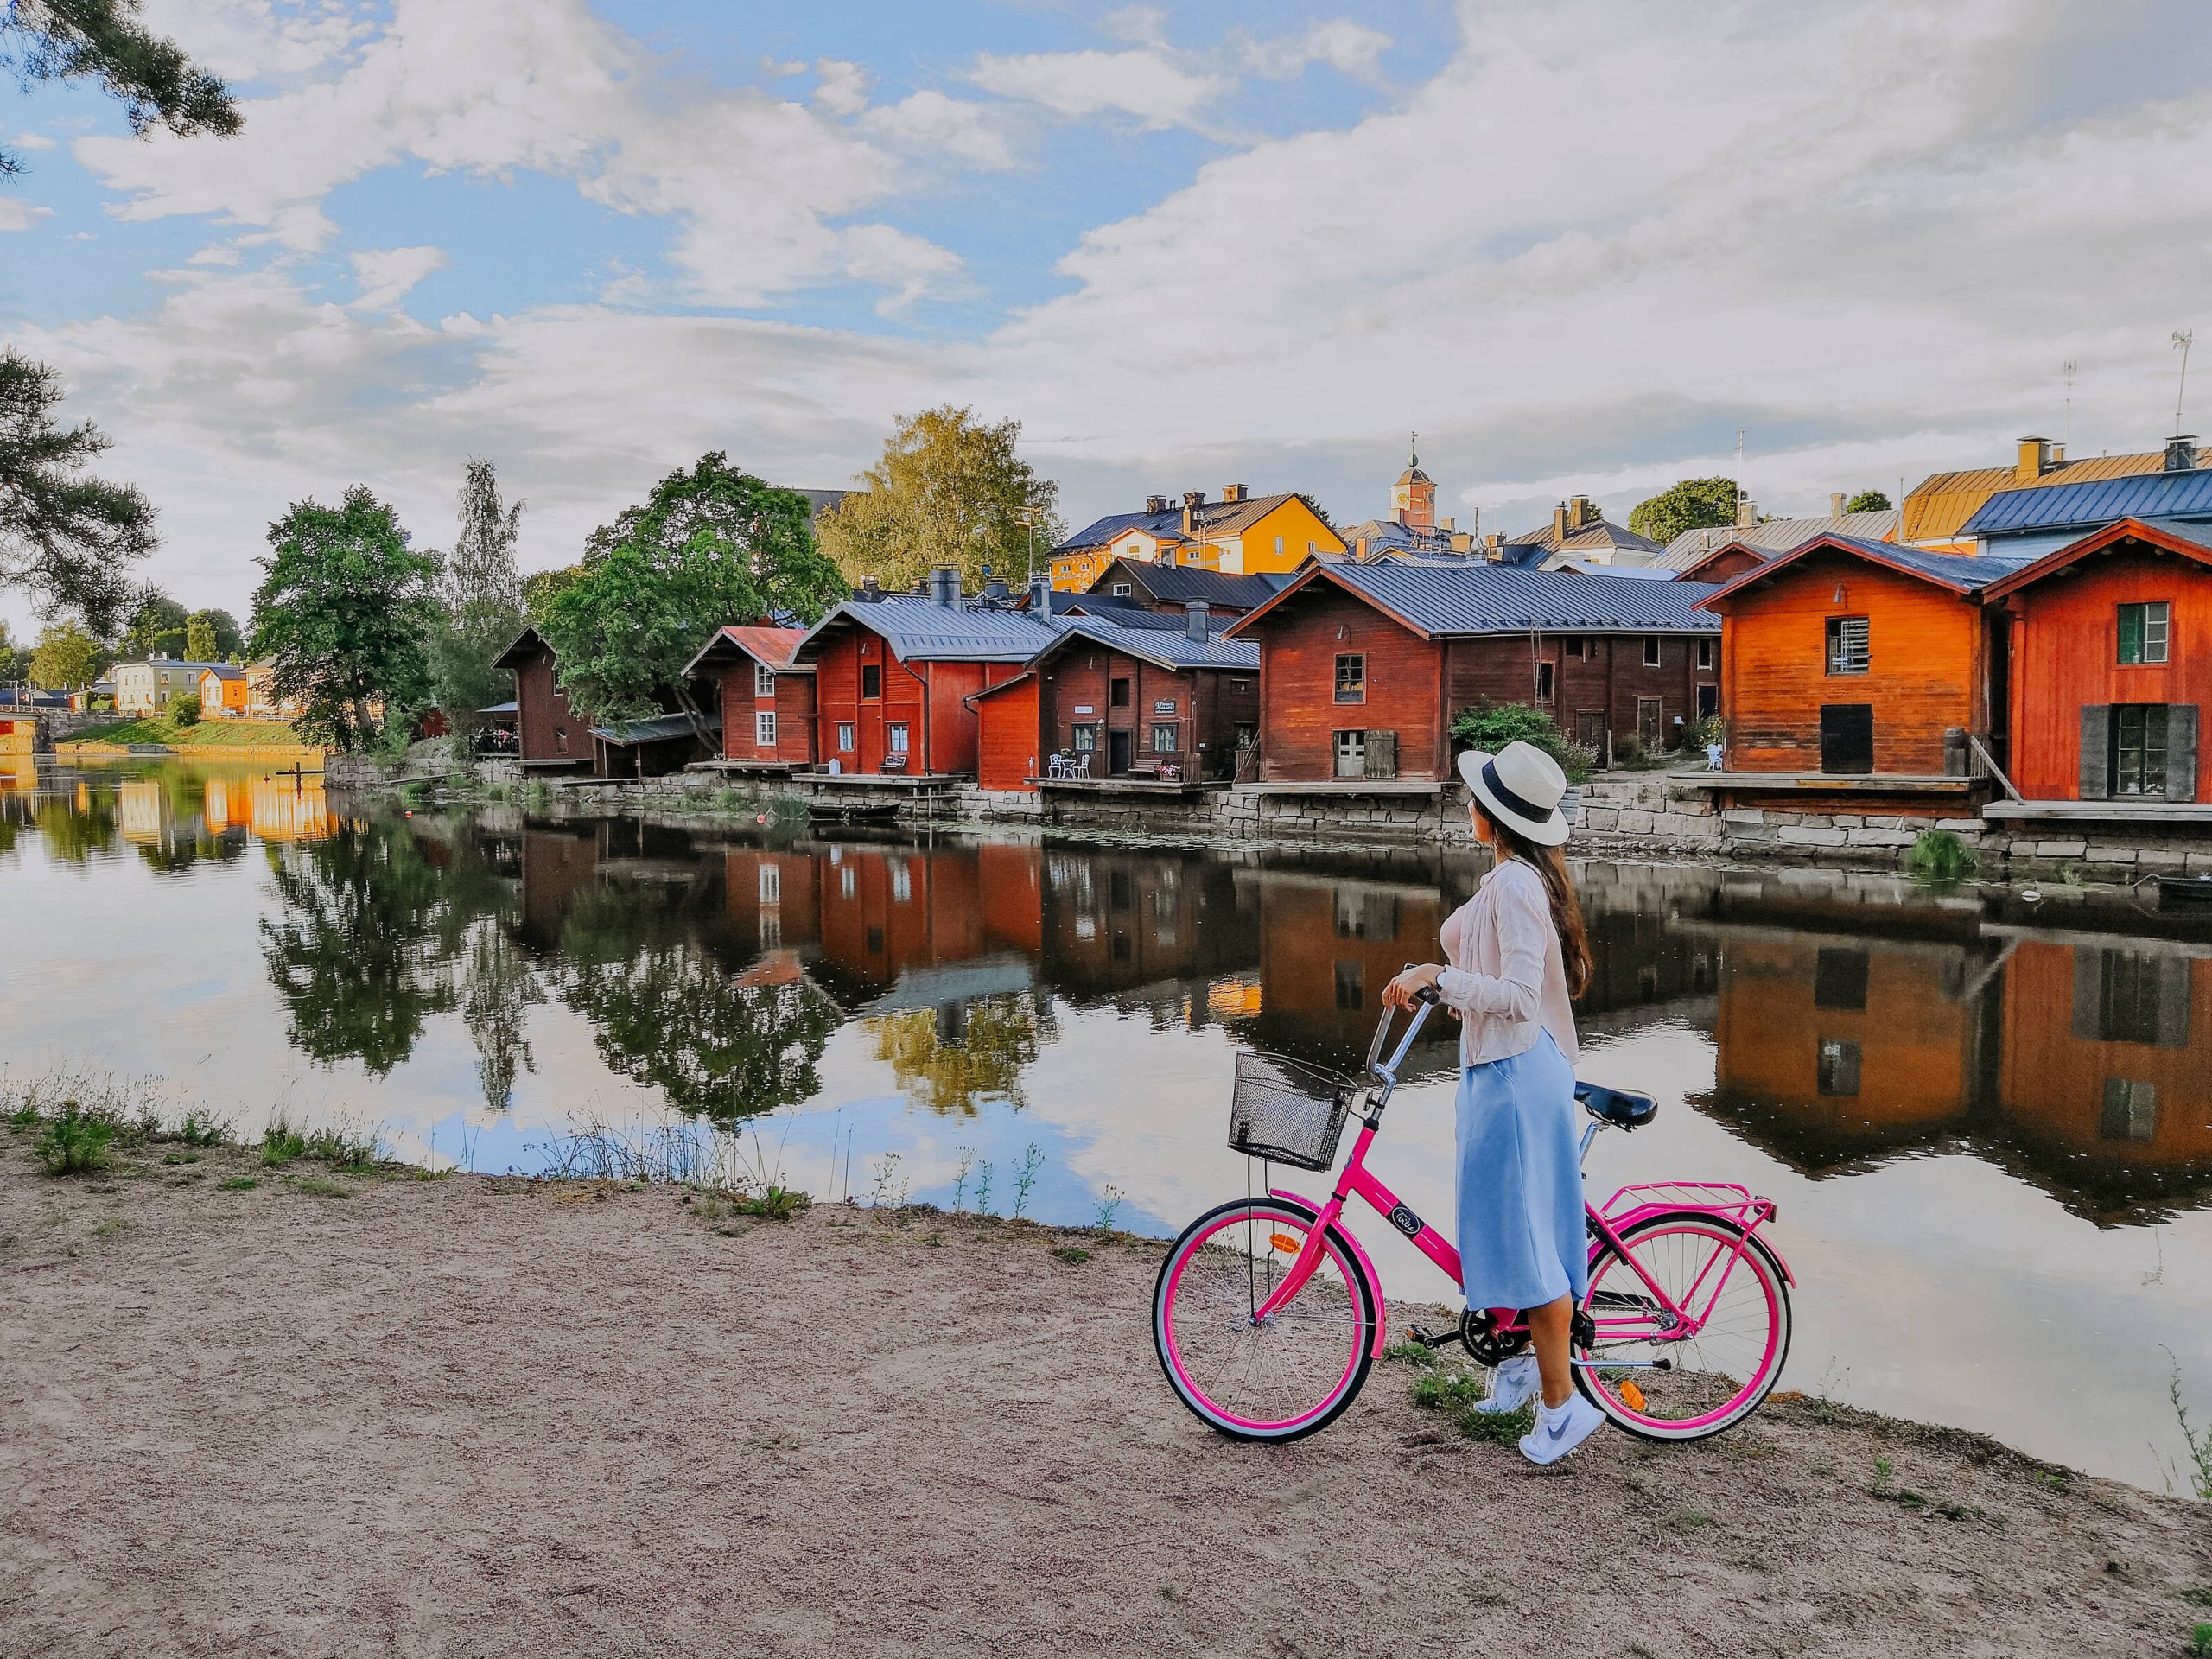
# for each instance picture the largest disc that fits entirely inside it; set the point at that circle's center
(466, 1417)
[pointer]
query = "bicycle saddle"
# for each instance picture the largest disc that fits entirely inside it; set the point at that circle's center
(1621, 1108)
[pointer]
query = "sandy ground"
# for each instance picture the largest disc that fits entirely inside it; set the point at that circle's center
(471, 1416)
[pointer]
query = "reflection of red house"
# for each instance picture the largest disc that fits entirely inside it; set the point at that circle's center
(2111, 662)
(767, 701)
(2108, 1052)
(1132, 699)
(1328, 947)
(552, 738)
(772, 898)
(894, 674)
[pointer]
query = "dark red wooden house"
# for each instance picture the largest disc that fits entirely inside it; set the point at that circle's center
(766, 699)
(1364, 667)
(550, 736)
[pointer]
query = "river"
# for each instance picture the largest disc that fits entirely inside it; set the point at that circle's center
(1987, 1121)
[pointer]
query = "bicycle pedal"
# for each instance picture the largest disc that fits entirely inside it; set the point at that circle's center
(1432, 1336)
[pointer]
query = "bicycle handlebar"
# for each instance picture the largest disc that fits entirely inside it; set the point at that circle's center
(1424, 999)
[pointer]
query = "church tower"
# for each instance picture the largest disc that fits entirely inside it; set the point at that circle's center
(1413, 497)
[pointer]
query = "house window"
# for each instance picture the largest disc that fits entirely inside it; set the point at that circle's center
(871, 680)
(1135, 550)
(902, 881)
(1278, 547)
(771, 885)
(1117, 695)
(1705, 653)
(764, 680)
(1840, 979)
(1573, 647)
(1164, 740)
(1352, 755)
(1084, 740)
(1837, 1067)
(1651, 652)
(1121, 590)
(2130, 1111)
(772, 930)
(763, 728)
(894, 737)
(845, 736)
(2121, 997)
(2138, 748)
(1544, 671)
(2143, 632)
(849, 881)
(1351, 678)
(1850, 648)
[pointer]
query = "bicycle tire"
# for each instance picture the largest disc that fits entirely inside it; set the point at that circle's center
(1751, 1394)
(1360, 1319)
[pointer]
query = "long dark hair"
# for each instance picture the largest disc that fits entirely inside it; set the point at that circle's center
(1567, 910)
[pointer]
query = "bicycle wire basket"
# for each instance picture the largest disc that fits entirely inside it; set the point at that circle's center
(1288, 1112)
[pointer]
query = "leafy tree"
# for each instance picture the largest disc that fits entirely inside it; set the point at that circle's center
(14, 657)
(1492, 726)
(343, 611)
(157, 624)
(68, 655)
(540, 588)
(1867, 501)
(64, 536)
(950, 490)
(480, 608)
(104, 41)
(1688, 503)
(199, 638)
(709, 547)
(1314, 506)
(184, 708)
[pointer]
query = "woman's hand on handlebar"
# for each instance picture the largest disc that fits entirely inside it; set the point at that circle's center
(1399, 992)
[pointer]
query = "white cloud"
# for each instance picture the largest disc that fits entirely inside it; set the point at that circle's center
(247, 39)
(386, 274)
(840, 88)
(16, 214)
(1141, 83)
(30, 141)
(1348, 47)
(934, 124)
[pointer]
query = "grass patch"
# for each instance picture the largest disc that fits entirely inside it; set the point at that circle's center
(111, 1228)
(75, 1143)
(772, 1202)
(280, 1143)
(237, 1184)
(199, 1130)
(197, 734)
(1406, 1352)
(1455, 1393)
(1072, 1253)
(181, 1158)
(1687, 1521)
(325, 1189)
(2200, 1641)
(1939, 855)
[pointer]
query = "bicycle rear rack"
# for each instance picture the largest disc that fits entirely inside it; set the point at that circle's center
(1725, 1199)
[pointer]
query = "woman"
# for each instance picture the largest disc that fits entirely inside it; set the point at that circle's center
(1518, 956)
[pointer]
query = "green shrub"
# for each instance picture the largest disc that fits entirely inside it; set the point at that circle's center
(1491, 727)
(75, 1144)
(772, 1202)
(280, 1143)
(1939, 855)
(184, 708)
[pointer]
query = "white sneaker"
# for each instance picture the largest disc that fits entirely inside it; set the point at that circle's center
(1559, 1429)
(1512, 1385)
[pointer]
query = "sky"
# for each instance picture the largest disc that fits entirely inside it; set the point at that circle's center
(1578, 246)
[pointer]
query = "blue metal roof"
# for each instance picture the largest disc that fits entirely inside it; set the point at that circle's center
(1487, 598)
(920, 631)
(2061, 506)
(1170, 649)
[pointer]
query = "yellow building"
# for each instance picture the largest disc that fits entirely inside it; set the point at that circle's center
(1239, 535)
(1941, 504)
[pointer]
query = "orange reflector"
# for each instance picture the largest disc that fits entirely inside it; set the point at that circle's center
(1284, 1242)
(1631, 1395)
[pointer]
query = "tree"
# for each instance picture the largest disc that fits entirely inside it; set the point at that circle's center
(211, 636)
(1689, 503)
(64, 536)
(68, 655)
(709, 547)
(949, 490)
(103, 41)
(184, 708)
(1867, 501)
(343, 611)
(14, 657)
(480, 601)
(540, 588)
(156, 625)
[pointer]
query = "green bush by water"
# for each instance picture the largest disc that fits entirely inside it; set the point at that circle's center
(1492, 726)
(75, 1143)
(1940, 856)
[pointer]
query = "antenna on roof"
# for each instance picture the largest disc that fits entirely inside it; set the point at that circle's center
(2183, 339)
(1413, 450)
(2066, 426)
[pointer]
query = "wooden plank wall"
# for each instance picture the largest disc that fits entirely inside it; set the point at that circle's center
(1300, 640)
(1009, 750)
(837, 691)
(2066, 654)
(548, 728)
(1606, 681)
(1927, 659)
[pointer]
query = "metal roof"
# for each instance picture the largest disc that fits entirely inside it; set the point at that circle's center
(1170, 648)
(1210, 517)
(1773, 535)
(771, 647)
(926, 632)
(657, 729)
(1179, 584)
(1964, 574)
(1940, 504)
(1486, 598)
(2064, 506)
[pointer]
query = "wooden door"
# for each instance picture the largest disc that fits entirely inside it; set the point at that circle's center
(1646, 723)
(1847, 737)
(1117, 752)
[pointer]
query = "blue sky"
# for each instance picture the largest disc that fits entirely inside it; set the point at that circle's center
(1577, 245)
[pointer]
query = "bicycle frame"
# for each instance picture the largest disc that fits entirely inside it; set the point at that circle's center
(1735, 1205)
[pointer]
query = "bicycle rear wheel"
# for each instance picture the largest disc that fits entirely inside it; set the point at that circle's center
(1275, 1380)
(1737, 1300)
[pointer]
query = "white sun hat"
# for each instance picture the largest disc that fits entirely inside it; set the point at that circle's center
(1521, 786)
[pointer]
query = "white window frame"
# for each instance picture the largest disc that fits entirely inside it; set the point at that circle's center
(1705, 653)
(771, 885)
(763, 728)
(764, 680)
(845, 735)
(1121, 590)
(1651, 650)
(896, 737)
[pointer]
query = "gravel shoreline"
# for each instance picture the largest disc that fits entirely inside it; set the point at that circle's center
(344, 1414)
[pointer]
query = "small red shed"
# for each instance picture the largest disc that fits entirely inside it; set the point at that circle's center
(552, 737)
(2111, 662)
(767, 700)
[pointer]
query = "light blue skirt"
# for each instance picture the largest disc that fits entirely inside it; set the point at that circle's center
(1522, 1241)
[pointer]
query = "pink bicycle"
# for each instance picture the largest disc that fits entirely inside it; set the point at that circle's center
(1267, 1313)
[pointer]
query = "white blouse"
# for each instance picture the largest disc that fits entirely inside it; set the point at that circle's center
(1506, 980)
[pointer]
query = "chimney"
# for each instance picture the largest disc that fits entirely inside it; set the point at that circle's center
(871, 590)
(2181, 452)
(1494, 545)
(945, 585)
(1462, 542)
(1194, 619)
(1747, 510)
(1585, 512)
(2035, 460)
(1040, 596)
(1835, 503)
(1234, 493)
(1446, 525)
(1559, 516)
(1156, 504)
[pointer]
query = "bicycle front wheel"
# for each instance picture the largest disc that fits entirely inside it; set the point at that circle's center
(1275, 1379)
(1723, 1341)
